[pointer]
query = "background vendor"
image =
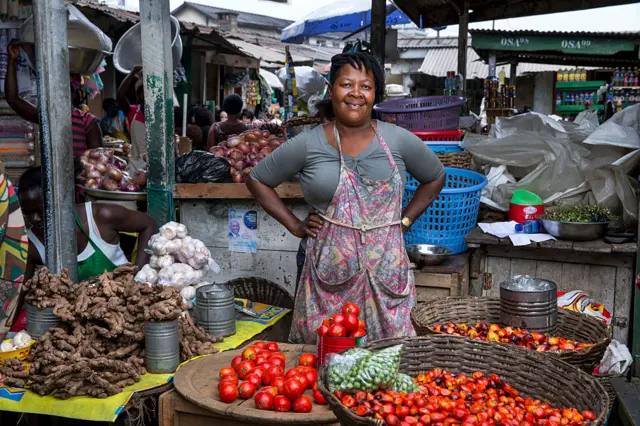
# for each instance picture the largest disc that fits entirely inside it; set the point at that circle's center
(135, 118)
(98, 228)
(233, 125)
(352, 173)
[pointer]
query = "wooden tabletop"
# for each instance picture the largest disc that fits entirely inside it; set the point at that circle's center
(238, 191)
(477, 238)
(197, 382)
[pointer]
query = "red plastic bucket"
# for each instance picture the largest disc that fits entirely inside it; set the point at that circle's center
(522, 213)
(334, 345)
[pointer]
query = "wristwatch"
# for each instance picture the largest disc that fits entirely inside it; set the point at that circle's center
(406, 222)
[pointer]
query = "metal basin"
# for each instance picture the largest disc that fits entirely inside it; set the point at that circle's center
(82, 61)
(575, 231)
(128, 51)
(427, 254)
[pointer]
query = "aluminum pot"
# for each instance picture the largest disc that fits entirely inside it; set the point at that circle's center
(575, 231)
(530, 303)
(427, 254)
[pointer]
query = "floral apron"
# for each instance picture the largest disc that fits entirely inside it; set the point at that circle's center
(358, 257)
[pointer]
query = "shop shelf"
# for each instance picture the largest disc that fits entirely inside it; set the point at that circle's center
(579, 84)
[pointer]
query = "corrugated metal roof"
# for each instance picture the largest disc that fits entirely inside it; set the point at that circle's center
(427, 42)
(243, 17)
(438, 61)
(622, 34)
(269, 58)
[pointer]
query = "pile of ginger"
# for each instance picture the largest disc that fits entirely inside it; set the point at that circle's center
(97, 348)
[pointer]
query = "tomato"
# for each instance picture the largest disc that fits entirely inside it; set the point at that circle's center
(350, 323)
(392, 420)
(226, 382)
(260, 344)
(258, 371)
(278, 383)
(249, 354)
(272, 346)
(235, 362)
(282, 404)
(359, 333)
(271, 373)
(260, 359)
(403, 411)
(229, 378)
(338, 319)
(291, 373)
(266, 365)
(327, 322)
(302, 404)
(303, 381)
(337, 330)
(279, 355)
(225, 371)
(254, 378)
(351, 308)
(278, 362)
(318, 398)
(293, 388)
(307, 360)
(245, 368)
(264, 400)
(323, 329)
(311, 374)
(228, 393)
(246, 390)
(271, 389)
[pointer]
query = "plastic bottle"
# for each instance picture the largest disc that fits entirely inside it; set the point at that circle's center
(583, 74)
(558, 100)
(529, 227)
(616, 77)
(626, 78)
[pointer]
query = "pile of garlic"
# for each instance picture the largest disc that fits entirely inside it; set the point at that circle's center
(177, 260)
(19, 341)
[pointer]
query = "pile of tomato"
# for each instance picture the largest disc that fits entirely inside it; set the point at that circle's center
(520, 337)
(259, 372)
(445, 399)
(345, 324)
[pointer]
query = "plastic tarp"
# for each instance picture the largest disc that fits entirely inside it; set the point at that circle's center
(310, 84)
(563, 162)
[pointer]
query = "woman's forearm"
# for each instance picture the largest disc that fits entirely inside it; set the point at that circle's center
(269, 200)
(142, 257)
(422, 199)
(23, 108)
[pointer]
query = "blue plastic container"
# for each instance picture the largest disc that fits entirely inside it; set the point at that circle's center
(444, 147)
(452, 215)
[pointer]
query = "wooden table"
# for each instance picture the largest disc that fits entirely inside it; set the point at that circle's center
(449, 279)
(626, 410)
(604, 271)
(196, 384)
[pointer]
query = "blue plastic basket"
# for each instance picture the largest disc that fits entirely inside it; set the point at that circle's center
(444, 147)
(452, 215)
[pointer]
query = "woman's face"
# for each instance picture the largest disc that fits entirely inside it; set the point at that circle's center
(246, 120)
(353, 95)
(223, 116)
(32, 206)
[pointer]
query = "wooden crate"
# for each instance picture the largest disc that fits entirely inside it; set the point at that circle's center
(446, 280)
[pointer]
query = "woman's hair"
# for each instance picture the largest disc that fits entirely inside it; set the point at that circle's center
(248, 114)
(359, 61)
(31, 180)
(203, 117)
(232, 104)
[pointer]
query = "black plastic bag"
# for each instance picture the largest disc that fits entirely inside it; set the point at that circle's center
(202, 167)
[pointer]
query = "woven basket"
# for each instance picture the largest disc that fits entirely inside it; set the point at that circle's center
(471, 310)
(529, 372)
(260, 290)
(459, 160)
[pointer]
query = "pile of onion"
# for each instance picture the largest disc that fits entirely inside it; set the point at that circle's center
(245, 151)
(103, 170)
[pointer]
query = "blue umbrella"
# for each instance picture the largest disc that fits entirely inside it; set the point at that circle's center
(341, 16)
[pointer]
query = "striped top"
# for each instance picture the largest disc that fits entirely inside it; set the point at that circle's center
(81, 122)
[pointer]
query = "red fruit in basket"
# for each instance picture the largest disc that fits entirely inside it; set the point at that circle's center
(307, 360)
(271, 373)
(260, 344)
(278, 362)
(302, 404)
(271, 389)
(392, 420)
(351, 308)
(264, 400)
(254, 378)
(337, 330)
(246, 390)
(258, 371)
(291, 373)
(226, 371)
(245, 368)
(328, 321)
(235, 362)
(281, 404)
(318, 398)
(350, 323)
(272, 347)
(293, 388)
(311, 374)
(249, 354)
(228, 393)
(338, 319)
(278, 383)
(402, 411)
(278, 355)
(261, 359)
(323, 330)
(438, 417)
(362, 325)
(303, 381)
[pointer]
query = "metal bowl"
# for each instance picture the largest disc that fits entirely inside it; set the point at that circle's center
(575, 231)
(427, 254)
(115, 195)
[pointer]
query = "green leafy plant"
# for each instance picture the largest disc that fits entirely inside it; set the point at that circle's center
(581, 213)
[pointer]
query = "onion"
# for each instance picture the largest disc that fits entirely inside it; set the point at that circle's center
(89, 166)
(102, 159)
(94, 174)
(114, 173)
(266, 134)
(239, 166)
(123, 183)
(261, 156)
(92, 183)
(263, 142)
(235, 154)
(86, 153)
(266, 150)
(102, 168)
(246, 172)
(251, 156)
(140, 178)
(119, 163)
(132, 187)
(233, 141)
(237, 177)
(110, 184)
(232, 163)
(84, 161)
(244, 147)
(94, 153)
(218, 151)
(275, 143)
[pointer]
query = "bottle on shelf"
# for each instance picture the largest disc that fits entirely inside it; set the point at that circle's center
(616, 77)
(560, 76)
(583, 74)
(636, 77)
(559, 100)
(626, 78)
(619, 105)
(581, 101)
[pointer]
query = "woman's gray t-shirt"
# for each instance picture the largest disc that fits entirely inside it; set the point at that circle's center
(318, 162)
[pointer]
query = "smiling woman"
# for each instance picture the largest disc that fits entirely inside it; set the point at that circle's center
(352, 171)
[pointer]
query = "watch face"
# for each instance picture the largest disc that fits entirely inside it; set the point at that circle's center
(406, 221)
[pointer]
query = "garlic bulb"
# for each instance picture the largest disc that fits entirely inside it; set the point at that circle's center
(173, 230)
(165, 261)
(21, 340)
(188, 293)
(7, 346)
(147, 275)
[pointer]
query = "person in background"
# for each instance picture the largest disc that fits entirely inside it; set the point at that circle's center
(85, 126)
(223, 116)
(114, 123)
(14, 248)
(98, 230)
(352, 171)
(219, 132)
(135, 118)
(247, 117)
(203, 118)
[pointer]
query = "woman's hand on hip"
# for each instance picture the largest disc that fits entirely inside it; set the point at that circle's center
(308, 227)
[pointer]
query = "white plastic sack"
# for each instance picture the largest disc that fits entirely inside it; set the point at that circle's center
(308, 82)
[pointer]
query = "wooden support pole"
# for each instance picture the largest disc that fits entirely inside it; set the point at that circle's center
(463, 37)
(378, 29)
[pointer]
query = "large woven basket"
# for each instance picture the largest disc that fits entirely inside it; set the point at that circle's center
(531, 373)
(459, 160)
(471, 310)
(260, 290)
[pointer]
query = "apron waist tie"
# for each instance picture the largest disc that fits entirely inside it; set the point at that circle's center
(363, 228)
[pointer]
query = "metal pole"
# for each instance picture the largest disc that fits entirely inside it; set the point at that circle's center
(462, 45)
(378, 29)
(52, 63)
(157, 68)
